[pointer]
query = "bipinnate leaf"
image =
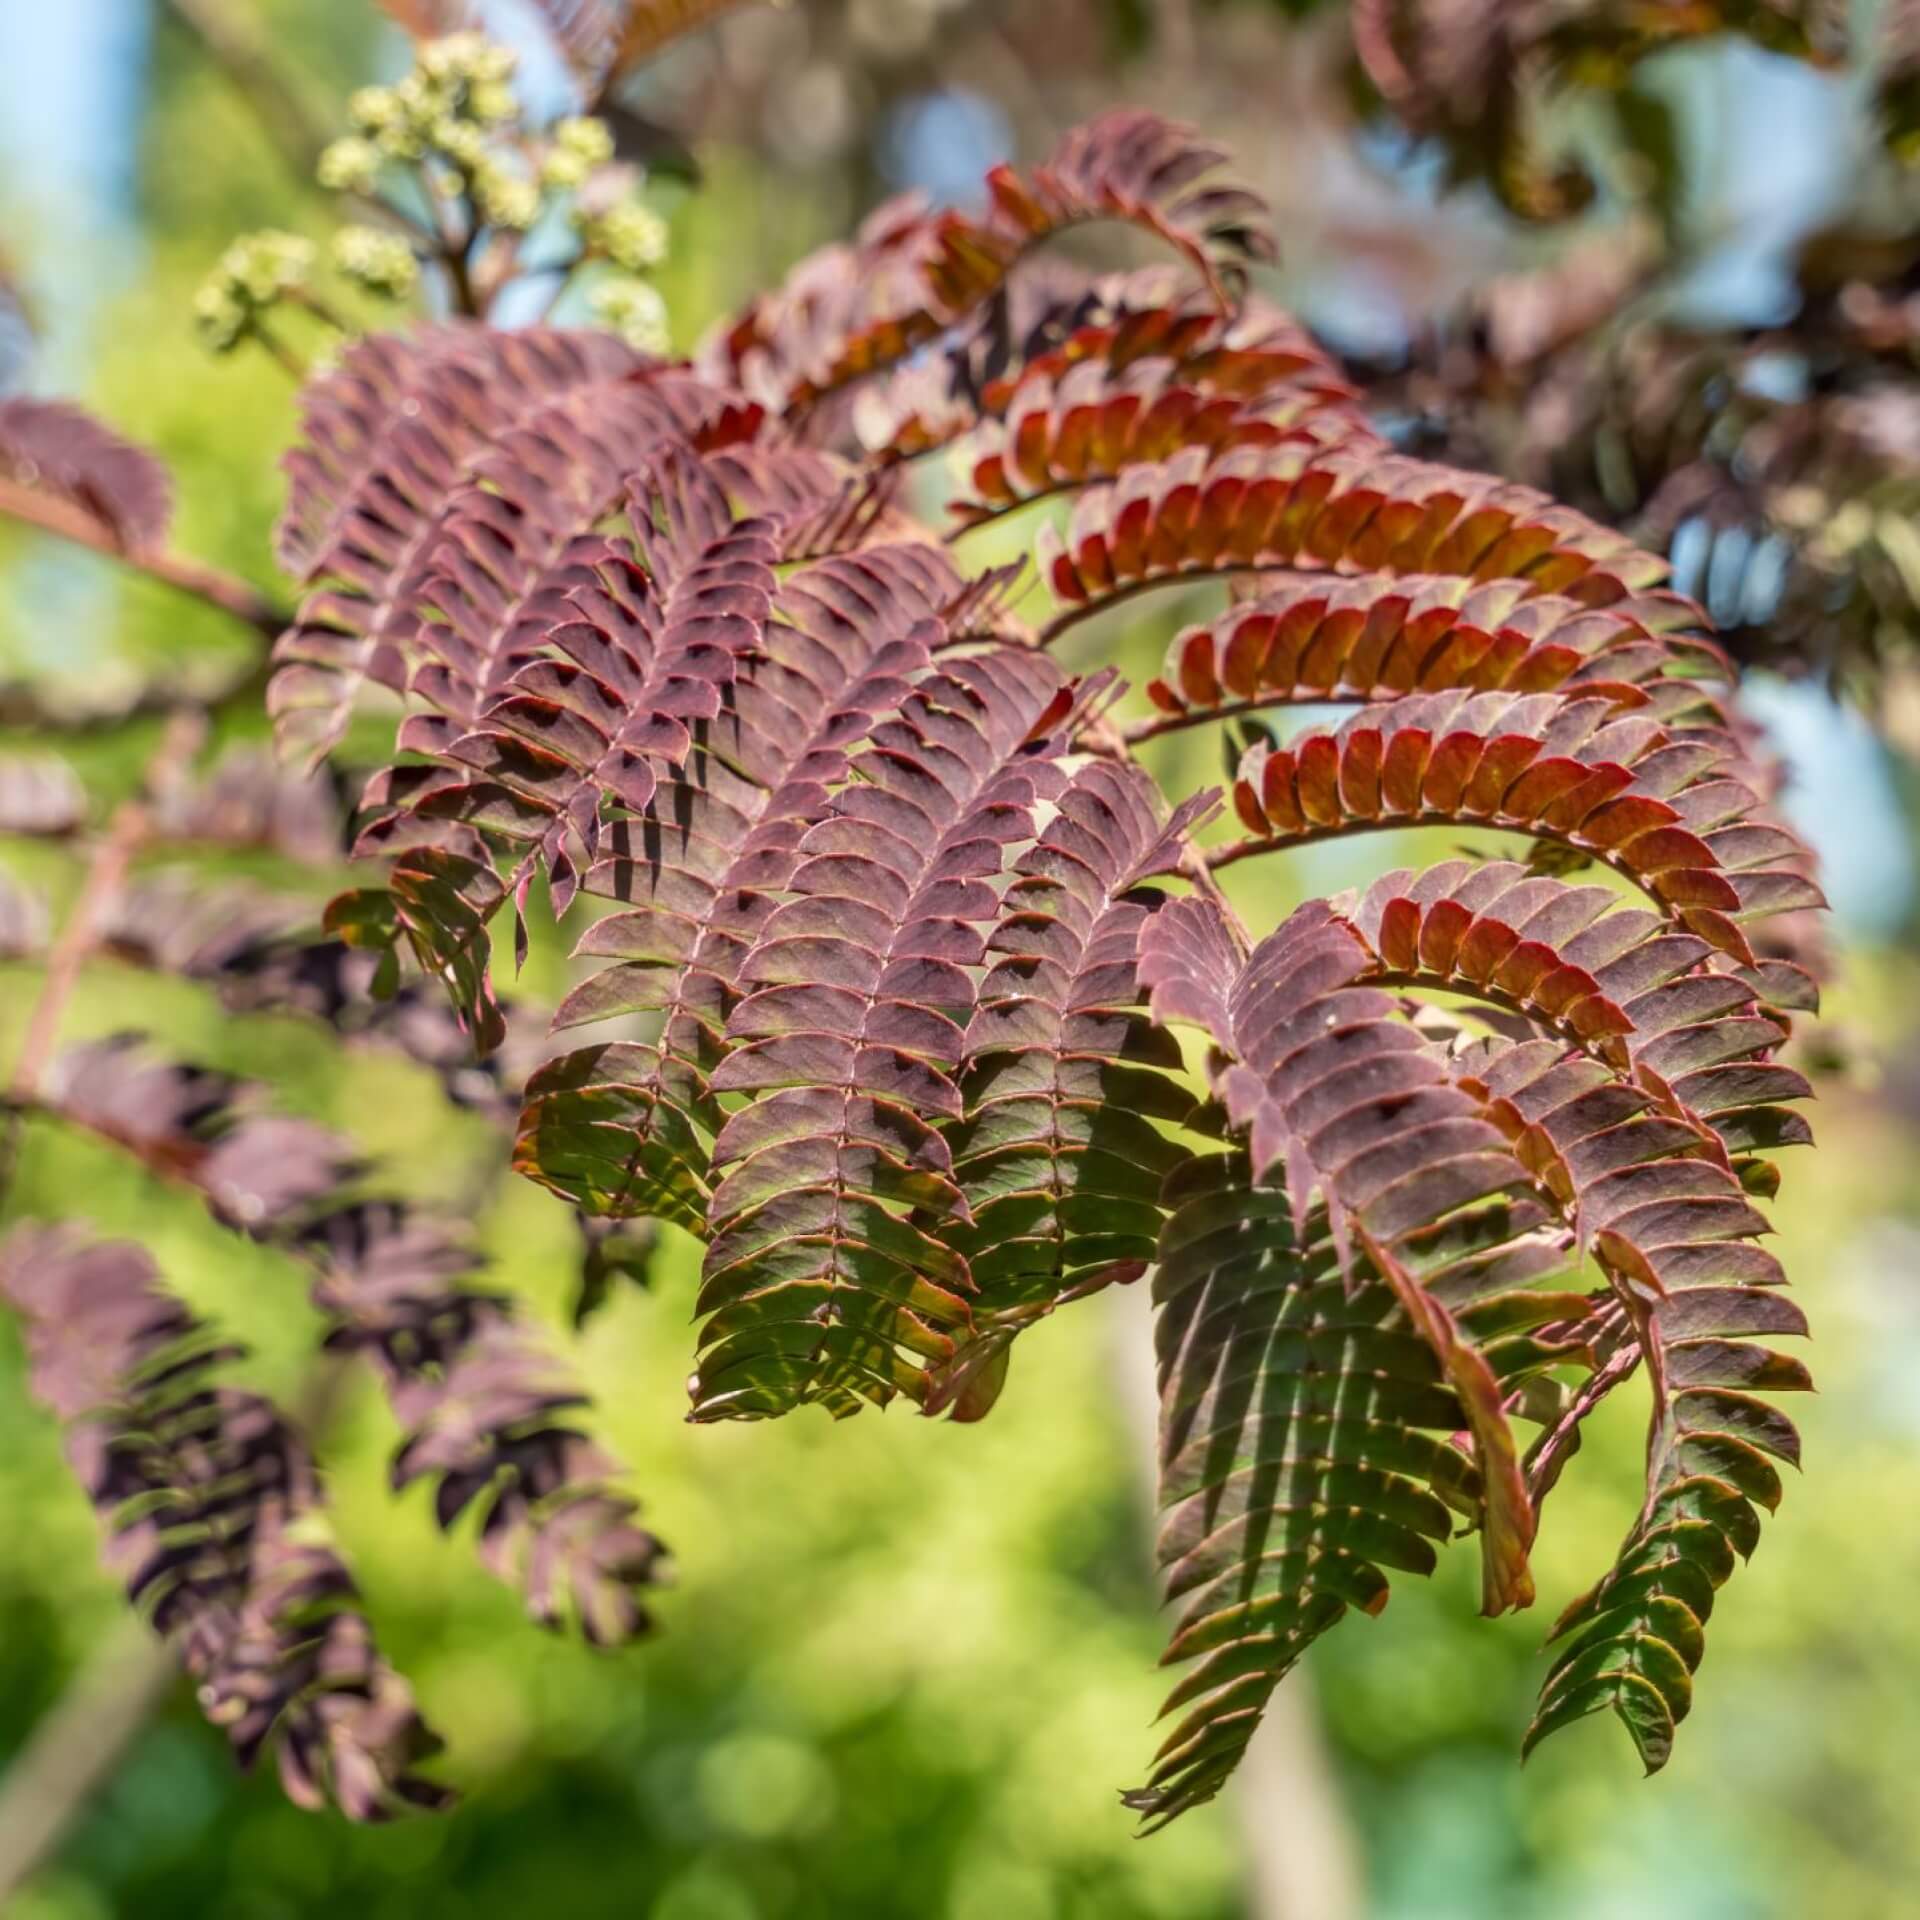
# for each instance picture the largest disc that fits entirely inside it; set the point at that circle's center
(1144, 387)
(1352, 508)
(882, 1009)
(1382, 635)
(1348, 1106)
(1304, 1453)
(487, 1411)
(1677, 1233)
(215, 1520)
(565, 736)
(1618, 782)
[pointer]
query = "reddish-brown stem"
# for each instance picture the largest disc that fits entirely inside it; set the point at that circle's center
(1071, 617)
(232, 595)
(1166, 723)
(106, 874)
(238, 50)
(1254, 845)
(1554, 1448)
(282, 355)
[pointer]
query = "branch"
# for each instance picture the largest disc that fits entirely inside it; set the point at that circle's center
(106, 874)
(74, 1750)
(233, 45)
(1253, 845)
(78, 1745)
(238, 598)
(1166, 723)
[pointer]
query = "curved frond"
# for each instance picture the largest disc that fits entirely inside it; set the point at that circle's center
(514, 540)
(1063, 1075)
(1378, 636)
(1678, 1234)
(1304, 1452)
(487, 1411)
(1147, 386)
(1349, 509)
(487, 1414)
(1633, 1127)
(1652, 800)
(626, 680)
(390, 437)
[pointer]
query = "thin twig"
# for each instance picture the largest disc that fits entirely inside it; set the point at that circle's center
(283, 356)
(77, 1745)
(232, 595)
(1194, 867)
(233, 45)
(79, 937)
(1165, 723)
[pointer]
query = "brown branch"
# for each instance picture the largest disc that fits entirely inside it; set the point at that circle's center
(1195, 867)
(233, 596)
(77, 1746)
(1253, 845)
(239, 51)
(73, 1751)
(79, 937)
(1163, 724)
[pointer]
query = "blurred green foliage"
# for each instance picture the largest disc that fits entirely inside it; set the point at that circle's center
(904, 1663)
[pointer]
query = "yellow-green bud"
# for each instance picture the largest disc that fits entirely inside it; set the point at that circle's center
(631, 236)
(349, 165)
(634, 310)
(492, 101)
(453, 57)
(379, 261)
(374, 109)
(562, 170)
(260, 267)
(587, 140)
(491, 63)
(219, 318)
(506, 198)
(460, 140)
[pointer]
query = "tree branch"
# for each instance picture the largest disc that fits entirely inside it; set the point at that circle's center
(233, 45)
(106, 874)
(238, 598)
(76, 1747)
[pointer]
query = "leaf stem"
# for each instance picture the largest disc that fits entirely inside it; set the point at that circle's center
(80, 936)
(232, 595)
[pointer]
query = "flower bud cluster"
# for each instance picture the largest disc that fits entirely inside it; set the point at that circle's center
(254, 274)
